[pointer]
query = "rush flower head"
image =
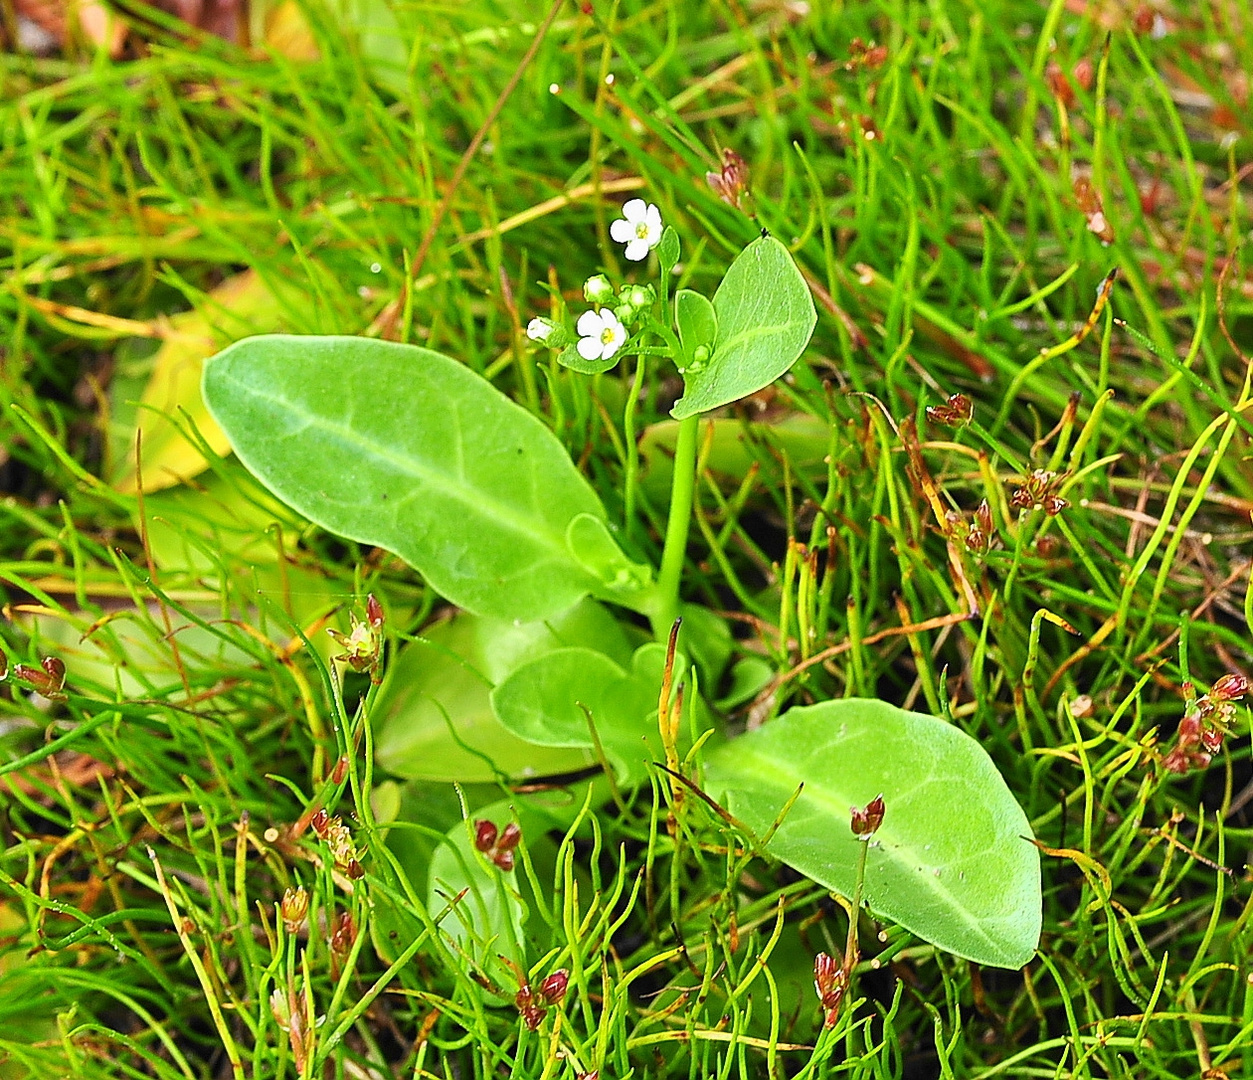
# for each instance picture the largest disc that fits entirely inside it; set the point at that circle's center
(639, 228)
(600, 335)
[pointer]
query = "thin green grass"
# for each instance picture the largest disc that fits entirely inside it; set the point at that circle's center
(201, 726)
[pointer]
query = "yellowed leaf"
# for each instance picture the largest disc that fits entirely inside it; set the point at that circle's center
(240, 306)
(287, 32)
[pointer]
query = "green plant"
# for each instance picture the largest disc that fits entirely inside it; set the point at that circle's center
(405, 448)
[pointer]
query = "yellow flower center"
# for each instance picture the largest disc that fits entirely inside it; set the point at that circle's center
(641, 230)
(607, 336)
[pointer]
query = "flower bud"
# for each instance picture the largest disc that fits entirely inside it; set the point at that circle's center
(294, 908)
(484, 835)
(510, 837)
(867, 819)
(597, 290)
(531, 1011)
(553, 988)
(343, 934)
(1230, 688)
(540, 330)
(829, 979)
(701, 353)
(639, 296)
(374, 612)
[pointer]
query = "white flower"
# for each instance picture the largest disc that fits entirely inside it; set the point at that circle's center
(600, 335)
(639, 228)
(539, 329)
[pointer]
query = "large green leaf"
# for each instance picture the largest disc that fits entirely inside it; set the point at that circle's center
(765, 317)
(953, 860)
(407, 449)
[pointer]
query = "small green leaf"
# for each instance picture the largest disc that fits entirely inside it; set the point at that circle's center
(542, 702)
(668, 251)
(433, 717)
(953, 860)
(765, 319)
(569, 357)
(697, 323)
(404, 448)
(592, 544)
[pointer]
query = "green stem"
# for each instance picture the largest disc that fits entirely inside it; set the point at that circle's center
(632, 450)
(681, 492)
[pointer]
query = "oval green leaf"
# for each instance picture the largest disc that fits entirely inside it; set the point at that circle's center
(406, 449)
(765, 319)
(953, 860)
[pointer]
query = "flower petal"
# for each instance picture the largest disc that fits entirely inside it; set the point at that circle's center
(634, 210)
(590, 324)
(636, 250)
(621, 230)
(589, 348)
(653, 218)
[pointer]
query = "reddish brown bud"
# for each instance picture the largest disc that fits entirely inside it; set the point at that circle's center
(340, 771)
(504, 859)
(1059, 84)
(1085, 73)
(343, 934)
(1212, 739)
(320, 820)
(1054, 505)
(731, 183)
(510, 837)
(956, 412)
(531, 1011)
(1189, 729)
(355, 870)
(553, 988)
(1144, 19)
(868, 818)
(374, 613)
(1230, 688)
(484, 835)
(829, 979)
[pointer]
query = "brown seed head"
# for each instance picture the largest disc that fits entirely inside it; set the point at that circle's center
(867, 819)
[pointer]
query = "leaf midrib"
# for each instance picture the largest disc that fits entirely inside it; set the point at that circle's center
(413, 467)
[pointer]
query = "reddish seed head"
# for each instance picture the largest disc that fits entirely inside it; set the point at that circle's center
(867, 819)
(484, 835)
(1230, 688)
(510, 837)
(504, 859)
(553, 988)
(1059, 84)
(829, 980)
(1189, 728)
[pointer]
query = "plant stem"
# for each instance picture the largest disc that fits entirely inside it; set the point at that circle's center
(682, 488)
(632, 450)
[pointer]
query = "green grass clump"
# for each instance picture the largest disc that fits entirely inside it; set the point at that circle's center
(957, 182)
